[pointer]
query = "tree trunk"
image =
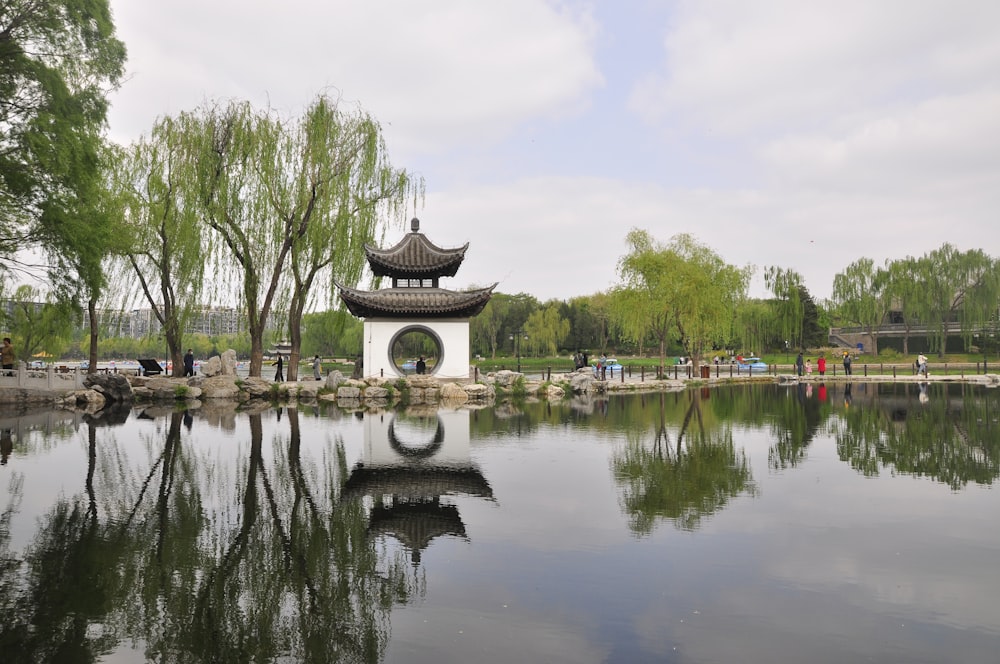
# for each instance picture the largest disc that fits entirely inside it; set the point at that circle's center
(92, 354)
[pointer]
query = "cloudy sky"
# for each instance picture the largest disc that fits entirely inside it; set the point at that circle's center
(802, 134)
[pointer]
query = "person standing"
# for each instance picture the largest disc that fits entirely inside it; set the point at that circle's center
(809, 367)
(847, 363)
(279, 374)
(189, 363)
(421, 365)
(821, 365)
(317, 368)
(7, 357)
(799, 365)
(922, 364)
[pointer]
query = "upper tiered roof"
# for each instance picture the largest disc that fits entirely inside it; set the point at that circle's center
(415, 264)
(415, 257)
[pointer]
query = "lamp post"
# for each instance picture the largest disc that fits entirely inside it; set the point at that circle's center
(516, 338)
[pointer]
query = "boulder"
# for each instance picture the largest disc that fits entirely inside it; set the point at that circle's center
(228, 362)
(309, 390)
(506, 378)
(89, 400)
(334, 380)
(452, 393)
(554, 392)
(376, 392)
(212, 367)
(349, 392)
(113, 387)
(257, 388)
(581, 382)
(220, 387)
(480, 392)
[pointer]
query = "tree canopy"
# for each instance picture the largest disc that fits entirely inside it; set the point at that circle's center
(58, 61)
(682, 289)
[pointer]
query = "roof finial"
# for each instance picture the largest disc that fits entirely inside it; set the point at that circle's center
(415, 225)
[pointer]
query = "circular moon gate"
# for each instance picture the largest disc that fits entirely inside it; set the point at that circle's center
(400, 339)
(415, 450)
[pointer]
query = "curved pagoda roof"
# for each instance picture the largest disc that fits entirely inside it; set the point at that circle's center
(415, 302)
(415, 257)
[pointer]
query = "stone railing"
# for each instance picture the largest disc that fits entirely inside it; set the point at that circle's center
(42, 379)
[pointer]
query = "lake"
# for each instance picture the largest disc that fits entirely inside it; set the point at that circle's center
(764, 523)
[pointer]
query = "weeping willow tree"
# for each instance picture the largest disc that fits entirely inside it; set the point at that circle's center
(345, 156)
(786, 286)
(957, 287)
(862, 295)
(755, 320)
(682, 290)
(545, 328)
(289, 199)
(904, 293)
(162, 254)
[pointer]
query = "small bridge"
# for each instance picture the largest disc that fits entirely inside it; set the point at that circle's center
(850, 337)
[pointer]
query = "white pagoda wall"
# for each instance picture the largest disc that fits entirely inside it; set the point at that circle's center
(454, 450)
(453, 333)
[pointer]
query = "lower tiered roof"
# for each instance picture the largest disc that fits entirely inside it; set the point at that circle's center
(415, 302)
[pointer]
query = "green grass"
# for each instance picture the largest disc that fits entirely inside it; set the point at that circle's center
(876, 365)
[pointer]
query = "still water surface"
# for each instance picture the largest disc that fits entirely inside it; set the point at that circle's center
(749, 524)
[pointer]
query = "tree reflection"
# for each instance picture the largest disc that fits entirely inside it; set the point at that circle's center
(66, 582)
(926, 432)
(685, 481)
(797, 419)
(152, 556)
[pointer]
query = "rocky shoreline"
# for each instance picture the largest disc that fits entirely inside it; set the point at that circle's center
(117, 390)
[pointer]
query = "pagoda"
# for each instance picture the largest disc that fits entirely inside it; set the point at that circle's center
(415, 302)
(414, 486)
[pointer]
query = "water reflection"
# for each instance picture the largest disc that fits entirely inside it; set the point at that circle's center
(202, 558)
(413, 466)
(215, 535)
(683, 481)
(949, 434)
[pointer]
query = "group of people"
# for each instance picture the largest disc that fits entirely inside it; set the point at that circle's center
(317, 367)
(805, 367)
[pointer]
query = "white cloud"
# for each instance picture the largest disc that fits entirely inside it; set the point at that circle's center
(837, 130)
(435, 73)
(735, 66)
(940, 140)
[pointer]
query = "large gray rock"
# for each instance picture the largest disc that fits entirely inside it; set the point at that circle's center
(334, 380)
(581, 382)
(506, 378)
(89, 400)
(308, 390)
(376, 392)
(212, 366)
(229, 362)
(113, 387)
(220, 387)
(480, 392)
(257, 388)
(352, 392)
(453, 394)
(554, 392)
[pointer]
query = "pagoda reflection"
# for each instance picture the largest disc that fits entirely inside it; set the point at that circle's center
(413, 467)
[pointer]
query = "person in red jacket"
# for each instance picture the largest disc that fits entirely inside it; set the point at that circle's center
(821, 365)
